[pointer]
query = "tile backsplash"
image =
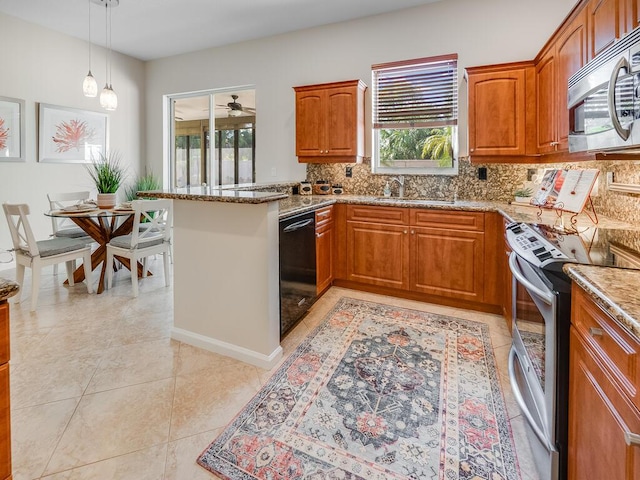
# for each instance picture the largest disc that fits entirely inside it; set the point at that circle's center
(502, 180)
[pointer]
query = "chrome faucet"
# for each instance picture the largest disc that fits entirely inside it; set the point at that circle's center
(400, 180)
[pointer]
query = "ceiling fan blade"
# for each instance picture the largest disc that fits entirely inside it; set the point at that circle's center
(249, 109)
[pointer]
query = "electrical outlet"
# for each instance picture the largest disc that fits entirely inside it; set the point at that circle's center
(530, 173)
(348, 172)
(482, 173)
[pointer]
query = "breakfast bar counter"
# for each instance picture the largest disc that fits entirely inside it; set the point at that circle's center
(225, 271)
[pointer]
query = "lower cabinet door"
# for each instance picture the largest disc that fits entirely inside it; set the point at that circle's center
(378, 254)
(600, 417)
(447, 263)
(5, 424)
(325, 235)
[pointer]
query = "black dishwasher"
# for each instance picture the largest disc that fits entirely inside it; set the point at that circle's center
(297, 268)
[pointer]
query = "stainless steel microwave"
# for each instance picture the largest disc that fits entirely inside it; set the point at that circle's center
(604, 100)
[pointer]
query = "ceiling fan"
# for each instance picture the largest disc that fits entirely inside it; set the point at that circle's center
(236, 109)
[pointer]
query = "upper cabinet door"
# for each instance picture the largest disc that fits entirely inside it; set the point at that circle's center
(342, 120)
(571, 55)
(310, 129)
(330, 122)
(630, 15)
(604, 24)
(497, 110)
(546, 102)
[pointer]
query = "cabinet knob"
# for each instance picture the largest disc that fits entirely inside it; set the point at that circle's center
(596, 332)
(405, 232)
(632, 439)
(317, 235)
(472, 150)
(413, 232)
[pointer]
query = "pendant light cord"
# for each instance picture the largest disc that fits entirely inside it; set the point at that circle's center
(89, 2)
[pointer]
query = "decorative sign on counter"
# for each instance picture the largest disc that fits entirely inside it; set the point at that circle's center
(566, 190)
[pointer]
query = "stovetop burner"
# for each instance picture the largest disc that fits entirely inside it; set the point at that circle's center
(549, 247)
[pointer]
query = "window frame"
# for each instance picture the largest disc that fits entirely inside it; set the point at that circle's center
(376, 165)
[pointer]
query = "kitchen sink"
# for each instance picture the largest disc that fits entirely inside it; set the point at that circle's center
(419, 201)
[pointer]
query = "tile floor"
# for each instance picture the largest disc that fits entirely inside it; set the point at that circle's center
(100, 391)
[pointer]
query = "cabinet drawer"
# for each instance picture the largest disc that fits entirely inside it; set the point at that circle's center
(610, 343)
(4, 333)
(324, 215)
(383, 215)
(448, 219)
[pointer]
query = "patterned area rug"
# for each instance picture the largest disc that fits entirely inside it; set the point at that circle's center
(376, 392)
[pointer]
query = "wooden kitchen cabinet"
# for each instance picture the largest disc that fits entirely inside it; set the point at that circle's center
(447, 263)
(433, 252)
(5, 411)
(501, 110)
(330, 122)
(546, 91)
(325, 246)
(378, 246)
(603, 398)
(447, 253)
(631, 15)
(564, 56)
(604, 24)
(507, 283)
(571, 54)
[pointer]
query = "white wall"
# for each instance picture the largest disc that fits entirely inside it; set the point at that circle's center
(481, 32)
(40, 65)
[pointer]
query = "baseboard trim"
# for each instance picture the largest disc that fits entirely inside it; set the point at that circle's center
(223, 348)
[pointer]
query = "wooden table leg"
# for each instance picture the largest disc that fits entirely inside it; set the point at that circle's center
(102, 231)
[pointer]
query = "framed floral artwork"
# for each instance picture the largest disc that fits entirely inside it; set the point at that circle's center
(70, 134)
(12, 131)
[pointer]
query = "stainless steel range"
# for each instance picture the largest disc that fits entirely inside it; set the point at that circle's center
(539, 357)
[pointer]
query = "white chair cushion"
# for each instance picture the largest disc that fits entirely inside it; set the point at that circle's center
(56, 246)
(73, 232)
(124, 241)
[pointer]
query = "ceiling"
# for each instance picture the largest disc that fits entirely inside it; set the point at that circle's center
(150, 29)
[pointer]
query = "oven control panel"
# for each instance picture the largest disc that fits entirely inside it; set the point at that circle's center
(531, 246)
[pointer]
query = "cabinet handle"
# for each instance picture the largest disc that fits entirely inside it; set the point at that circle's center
(405, 232)
(413, 232)
(472, 149)
(553, 144)
(596, 332)
(632, 439)
(317, 235)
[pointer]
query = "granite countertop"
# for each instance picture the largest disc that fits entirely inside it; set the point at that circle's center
(295, 204)
(614, 289)
(215, 194)
(8, 289)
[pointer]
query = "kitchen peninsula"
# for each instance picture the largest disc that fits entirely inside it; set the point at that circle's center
(225, 251)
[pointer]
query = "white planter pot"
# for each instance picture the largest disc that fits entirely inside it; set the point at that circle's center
(106, 200)
(522, 199)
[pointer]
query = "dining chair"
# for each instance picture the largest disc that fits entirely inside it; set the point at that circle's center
(63, 227)
(37, 254)
(141, 243)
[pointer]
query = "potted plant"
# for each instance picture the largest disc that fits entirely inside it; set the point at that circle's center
(107, 173)
(144, 183)
(523, 194)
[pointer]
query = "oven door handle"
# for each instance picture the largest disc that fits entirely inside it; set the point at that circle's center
(521, 403)
(546, 296)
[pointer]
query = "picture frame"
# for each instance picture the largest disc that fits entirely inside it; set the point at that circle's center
(71, 135)
(12, 130)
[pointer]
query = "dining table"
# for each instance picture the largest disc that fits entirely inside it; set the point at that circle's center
(101, 225)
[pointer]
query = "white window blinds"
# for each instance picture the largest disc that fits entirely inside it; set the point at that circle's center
(416, 93)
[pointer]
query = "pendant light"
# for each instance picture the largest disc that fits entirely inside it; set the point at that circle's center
(108, 98)
(89, 85)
